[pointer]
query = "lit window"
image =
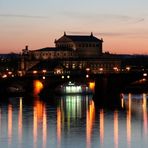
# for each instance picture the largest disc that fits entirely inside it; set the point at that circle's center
(35, 72)
(67, 65)
(73, 66)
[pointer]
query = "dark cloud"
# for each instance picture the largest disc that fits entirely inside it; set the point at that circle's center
(98, 34)
(22, 16)
(140, 20)
(101, 34)
(130, 34)
(110, 34)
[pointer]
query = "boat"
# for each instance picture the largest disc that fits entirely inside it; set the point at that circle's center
(73, 88)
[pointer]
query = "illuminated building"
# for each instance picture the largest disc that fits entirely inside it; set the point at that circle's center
(73, 52)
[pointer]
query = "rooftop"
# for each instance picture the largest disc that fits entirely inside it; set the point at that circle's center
(81, 38)
(53, 49)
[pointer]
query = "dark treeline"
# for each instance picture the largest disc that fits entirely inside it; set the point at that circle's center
(9, 62)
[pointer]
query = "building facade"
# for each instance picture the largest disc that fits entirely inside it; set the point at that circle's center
(82, 46)
(69, 46)
(74, 52)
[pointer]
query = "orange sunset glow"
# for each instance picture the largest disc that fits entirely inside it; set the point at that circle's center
(115, 44)
(124, 29)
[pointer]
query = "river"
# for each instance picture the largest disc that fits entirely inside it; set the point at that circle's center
(73, 121)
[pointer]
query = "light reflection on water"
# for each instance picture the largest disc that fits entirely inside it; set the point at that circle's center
(73, 121)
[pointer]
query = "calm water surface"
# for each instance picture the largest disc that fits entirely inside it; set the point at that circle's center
(73, 121)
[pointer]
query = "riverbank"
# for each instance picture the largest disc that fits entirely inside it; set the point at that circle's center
(140, 86)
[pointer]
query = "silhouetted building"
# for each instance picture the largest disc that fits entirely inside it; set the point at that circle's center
(69, 46)
(74, 52)
(82, 46)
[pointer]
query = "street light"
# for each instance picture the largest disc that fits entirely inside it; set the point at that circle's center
(4, 76)
(35, 72)
(44, 70)
(100, 69)
(128, 68)
(145, 74)
(115, 68)
(87, 76)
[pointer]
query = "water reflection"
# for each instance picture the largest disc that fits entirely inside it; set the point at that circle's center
(59, 126)
(129, 120)
(72, 120)
(136, 105)
(145, 114)
(44, 127)
(35, 126)
(122, 102)
(39, 117)
(89, 122)
(116, 129)
(10, 124)
(102, 126)
(20, 120)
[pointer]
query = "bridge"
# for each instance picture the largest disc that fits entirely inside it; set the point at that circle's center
(108, 86)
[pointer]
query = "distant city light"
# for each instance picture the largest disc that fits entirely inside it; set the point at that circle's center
(87, 69)
(128, 68)
(143, 80)
(20, 73)
(87, 76)
(4, 76)
(44, 77)
(44, 70)
(145, 74)
(35, 72)
(62, 77)
(68, 76)
(58, 71)
(9, 72)
(115, 68)
(101, 69)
